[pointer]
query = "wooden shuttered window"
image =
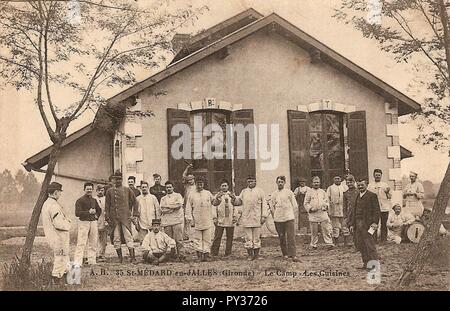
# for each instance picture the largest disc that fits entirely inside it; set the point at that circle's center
(357, 143)
(176, 166)
(247, 166)
(298, 131)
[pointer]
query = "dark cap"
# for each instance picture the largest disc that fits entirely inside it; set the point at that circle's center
(302, 179)
(54, 186)
(156, 221)
(156, 175)
(132, 177)
(377, 170)
(117, 174)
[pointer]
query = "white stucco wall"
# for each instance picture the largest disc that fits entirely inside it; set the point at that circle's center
(270, 75)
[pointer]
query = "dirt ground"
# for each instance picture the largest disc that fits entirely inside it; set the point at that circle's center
(319, 270)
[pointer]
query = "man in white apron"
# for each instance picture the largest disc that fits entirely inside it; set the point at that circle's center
(413, 195)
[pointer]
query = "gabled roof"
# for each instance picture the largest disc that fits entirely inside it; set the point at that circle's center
(293, 33)
(217, 32)
(207, 43)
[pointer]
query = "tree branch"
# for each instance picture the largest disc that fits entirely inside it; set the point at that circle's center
(50, 131)
(47, 84)
(407, 30)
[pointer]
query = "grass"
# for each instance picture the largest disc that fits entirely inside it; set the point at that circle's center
(36, 278)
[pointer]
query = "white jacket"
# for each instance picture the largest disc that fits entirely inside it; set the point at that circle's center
(56, 227)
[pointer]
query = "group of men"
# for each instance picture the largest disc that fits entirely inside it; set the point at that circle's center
(164, 218)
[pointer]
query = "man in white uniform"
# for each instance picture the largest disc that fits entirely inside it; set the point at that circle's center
(413, 195)
(317, 204)
(56, 229)
(335, 194)
(148, 210)
(383, 192)
(201, 215)
(254, 215)
(397, 222)
(157, 245)
(172, 217)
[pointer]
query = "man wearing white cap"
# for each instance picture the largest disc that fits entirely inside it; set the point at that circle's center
(317, 204)
(56, 229)
(413, 195)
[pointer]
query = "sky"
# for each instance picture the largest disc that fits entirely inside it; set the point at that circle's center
(23, 133)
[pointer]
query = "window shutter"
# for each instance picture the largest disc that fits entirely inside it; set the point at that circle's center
(357, 143)
(243, 167)
(298, 131)
(176, 167)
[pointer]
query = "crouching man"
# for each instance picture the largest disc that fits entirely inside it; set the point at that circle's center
(56, 229)
(157, 245)
(397, 223)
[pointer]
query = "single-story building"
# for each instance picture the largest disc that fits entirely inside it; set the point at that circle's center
(329, 115)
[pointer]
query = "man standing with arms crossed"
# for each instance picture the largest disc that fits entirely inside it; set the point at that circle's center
(172, 215)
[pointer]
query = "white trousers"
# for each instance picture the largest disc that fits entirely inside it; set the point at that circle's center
(202, 240)
(61, 257)
(252, 237)
(87, 234)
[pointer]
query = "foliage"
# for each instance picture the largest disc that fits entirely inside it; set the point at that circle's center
(21, 188)
(412, 31)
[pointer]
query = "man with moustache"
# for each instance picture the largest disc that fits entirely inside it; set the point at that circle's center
(364, 223)
(148, 210)
(317, 204)
(121, 210)
(254, 215)
(201, 215)
(172, 216)
(283, 204)
(88, 211)
(157, 189)
(157, 245)
(383, 192)
(349, 202)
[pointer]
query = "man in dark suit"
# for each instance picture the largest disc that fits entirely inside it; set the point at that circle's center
(364, 219)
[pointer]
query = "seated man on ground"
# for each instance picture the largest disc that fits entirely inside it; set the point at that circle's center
(397, 223)
(157, 245)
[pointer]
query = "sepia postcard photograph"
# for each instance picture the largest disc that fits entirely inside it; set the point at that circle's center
(233, 145)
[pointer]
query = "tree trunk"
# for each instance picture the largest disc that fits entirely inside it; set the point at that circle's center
(430, 236)
(32, 227)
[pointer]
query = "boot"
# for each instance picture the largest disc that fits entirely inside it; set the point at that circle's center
(119, 254)
(335, 241)
(132, 256)
(256, 253)
(199, 256)
(250, 254)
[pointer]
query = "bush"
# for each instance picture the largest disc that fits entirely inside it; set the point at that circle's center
(37, 278)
